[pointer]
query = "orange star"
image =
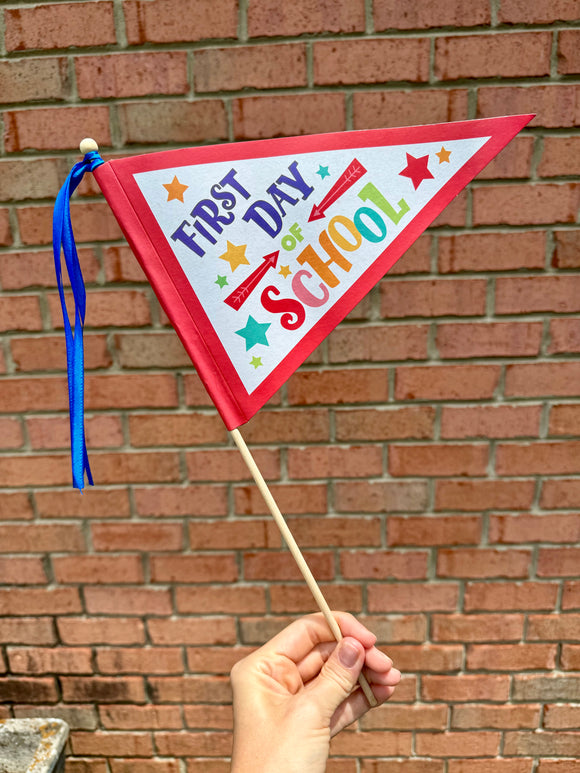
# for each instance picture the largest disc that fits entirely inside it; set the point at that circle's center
(175, 189)
(443, 155)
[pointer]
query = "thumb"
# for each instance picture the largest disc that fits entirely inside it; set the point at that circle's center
(338, 676)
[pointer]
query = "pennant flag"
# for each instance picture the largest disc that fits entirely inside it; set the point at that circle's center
(258, 250)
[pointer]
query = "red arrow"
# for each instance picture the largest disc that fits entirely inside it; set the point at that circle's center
(352, 173)
(243, 292)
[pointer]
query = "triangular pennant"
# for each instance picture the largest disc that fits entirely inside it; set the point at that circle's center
(258, 250)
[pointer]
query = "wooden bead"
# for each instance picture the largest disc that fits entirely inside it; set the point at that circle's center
(87, 145)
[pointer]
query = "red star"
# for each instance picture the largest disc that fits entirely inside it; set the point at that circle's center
(416, 170)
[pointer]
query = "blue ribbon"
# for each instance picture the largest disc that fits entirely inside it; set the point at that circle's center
(63, 239)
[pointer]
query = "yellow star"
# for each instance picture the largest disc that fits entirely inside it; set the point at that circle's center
(284, 270)
(175, 190)
(443, 155)
(236, 256)
(256, 362)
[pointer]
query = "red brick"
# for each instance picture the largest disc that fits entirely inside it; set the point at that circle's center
(49, 353)
(178, 430)
(179, 23)
(39, 601)
(132, 75)
(481, 627)
(560, 493)
(196, 394)
(559, 157)
(27, 630)
(122, 266)
(561, 717)
(567, 249)
(137, 536)
(438, 459)
(21, 395)
(101, 630)
(400, 342)
(259, 67)
(338, 532)
(203, 500)
(234, 535)
(266, 17)
(150, 350)
(135, 468)
(514, 161)
(298, 598)
(571, 657)
(371, 61)
(41, 538)
(571, 595)
(384, 565)
(92, 221)
(21, 689)
(508, 529)
(227, 464)
(557, 766)
(389, 14)
(102, 570)
(142, 660)
(102, 689)
(380, 496)
(450, 530)
(372, 742)
(10, 433)
(30, 179)
(538, 458)
(288, 426)
(220, 600)
(27, 80)
(487, 56)
(555, 105)
(291, 498)
(481, 596)
(60, 26)
(400, 766)
(126, 601)
(5, 228)
(288, 115)
(433, 298)
(335, 462)
(15, 506)
(120, 308)
(413, 597)
(131, 391)
(405, 718)
(194, 569)
(416, 260)
(472, 563)
(379, 109)
(455, 213)
(55, 129)
(511, 657)
(500, 718)
(208, 716)
(490, 421)
(189, 689)
(61, 660)
(22, 571)
(558, 562)
(113, 744)
(54, 432)
(426, 657)
(479, 495)
(282, 566)
(192, 630)
(492, 251)
(544, 744)
(564, 336)
(95, 503)
(140, 765)
(168, 121)
(140, 718)
(541, 379)
(516, 295)
(542, 11)
(385, 424)
(476, 744)
(465, 688)
(20, 312)
(446, 382)
(338, 386)
(522, 205)
(499, 339)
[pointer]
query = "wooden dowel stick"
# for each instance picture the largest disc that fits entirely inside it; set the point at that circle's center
(295, 550)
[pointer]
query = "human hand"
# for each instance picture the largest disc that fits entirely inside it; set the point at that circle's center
(300, 689)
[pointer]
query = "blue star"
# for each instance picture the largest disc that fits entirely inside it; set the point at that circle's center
(254, 332)
(323, 171)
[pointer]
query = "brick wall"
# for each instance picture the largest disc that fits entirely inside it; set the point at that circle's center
(427, 455)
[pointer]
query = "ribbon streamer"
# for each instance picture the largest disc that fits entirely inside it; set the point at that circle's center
(63, 239)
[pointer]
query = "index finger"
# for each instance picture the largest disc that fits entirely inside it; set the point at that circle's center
(301, 636)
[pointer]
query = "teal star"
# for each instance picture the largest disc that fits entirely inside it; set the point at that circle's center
(323, 171)
(256, 362)
(254, 332)
(221, 281)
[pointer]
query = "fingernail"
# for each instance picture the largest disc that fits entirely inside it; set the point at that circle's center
(347, 654)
